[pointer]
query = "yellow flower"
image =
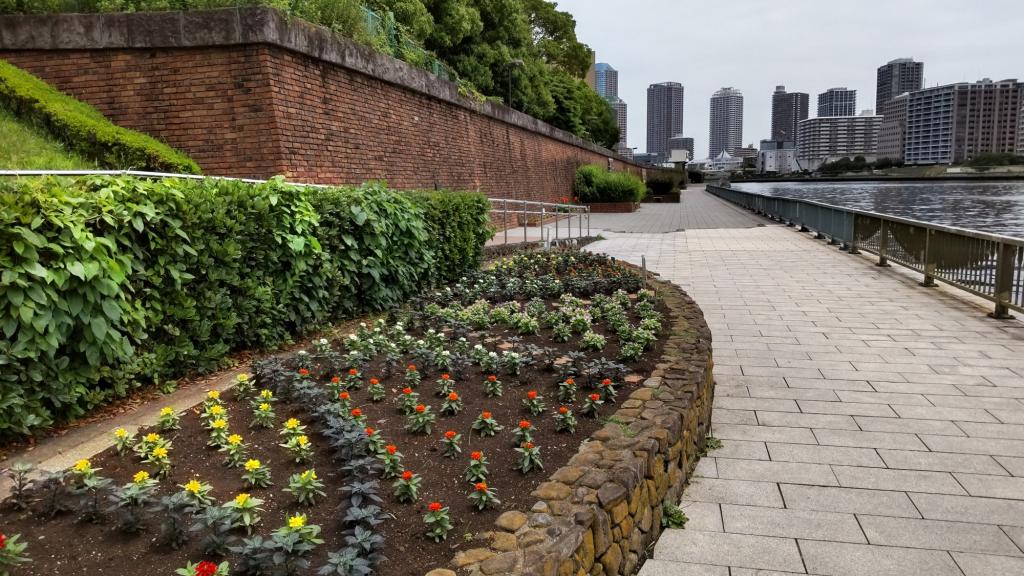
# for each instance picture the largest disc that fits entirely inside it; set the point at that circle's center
(193, 486)
(152, 437)
(308, 475)
(264, 407)
(252, 465)
(302, 440)
(234, 439)
(291, 424)
(266, 394)
(297, 521)
(140, 477)
(159, 452)
(82, 465)
(120, 433)
(167, 411)
(213, 395)
(219, 424)
(243, 377)
(217, 410)
(241, 499)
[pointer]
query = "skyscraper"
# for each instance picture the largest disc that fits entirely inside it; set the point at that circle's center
(896, 77)
(606, 81)
(837, 102)
(726, 121)
(619, 106)
(664, 115)
(788, 109)
(830, 138)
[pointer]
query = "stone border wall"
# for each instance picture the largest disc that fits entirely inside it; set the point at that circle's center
(599, 513)
(613, 207)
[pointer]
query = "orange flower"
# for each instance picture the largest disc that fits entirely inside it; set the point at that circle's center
(563, 410)
(606, 382)
(435, 507)
(481, 486)
(374, 381)
(391, 448)
(570, 381)
(476, 455)
(532, 394)
(449, 434)
(524, 424)
(492, 378)
(445, 377)
(406, 390)
(485, 415)
(421, 408)
(453, 396)
(412, 368)
(370, 431)
(335, 380)
(343, 395)
(407, 475)
(356, 412)
(528, 445)
(303, 372)
(595, 397)
(352, 371)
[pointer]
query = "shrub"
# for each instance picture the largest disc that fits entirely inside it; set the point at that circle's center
(83, 129)
(595, 184)
(112, 282)
(665, 182)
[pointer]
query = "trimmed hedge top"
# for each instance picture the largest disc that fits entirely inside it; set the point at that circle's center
(113, 282)
(595, 184)
(83, 129)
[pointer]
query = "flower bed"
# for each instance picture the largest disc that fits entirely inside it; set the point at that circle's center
(377, 411)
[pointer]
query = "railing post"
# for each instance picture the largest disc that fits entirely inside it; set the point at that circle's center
(1004, 281)
(929, 264)
(557, 218)
(580, 235)
(542, 224)
(588, 221)
(853, 234)
(883, 244)
(504, 217)
(526, 222)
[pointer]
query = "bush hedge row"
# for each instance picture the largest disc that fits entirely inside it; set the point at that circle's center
(110, 283)
(596, 184)
(83, 129)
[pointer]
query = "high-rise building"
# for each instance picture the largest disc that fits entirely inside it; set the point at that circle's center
(726, 121)
(1020, 131)
(664, 115)
(892, 138)
(830, 138)
(606, 81)
(681, 143)
(619, 107)
(591, 73)
(788, 109)
(777, 157)
(954, 123)
(837, 102)
(897, 77)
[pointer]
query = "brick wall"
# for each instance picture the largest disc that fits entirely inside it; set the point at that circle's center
(291, 99)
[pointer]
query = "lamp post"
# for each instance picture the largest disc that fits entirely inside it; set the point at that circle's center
(514, 63)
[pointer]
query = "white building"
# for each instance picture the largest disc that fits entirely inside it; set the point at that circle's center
(722, 163)
(777, 158)
(831, 138)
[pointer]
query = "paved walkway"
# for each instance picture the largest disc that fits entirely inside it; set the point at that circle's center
(696, 210)
(869, 426)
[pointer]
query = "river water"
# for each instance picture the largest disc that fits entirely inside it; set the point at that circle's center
(995, 207)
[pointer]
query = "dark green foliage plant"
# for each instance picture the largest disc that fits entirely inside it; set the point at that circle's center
(595, 184)
(110, 283)
(82, 128)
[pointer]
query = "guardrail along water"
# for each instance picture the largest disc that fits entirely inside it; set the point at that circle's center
(987, 265)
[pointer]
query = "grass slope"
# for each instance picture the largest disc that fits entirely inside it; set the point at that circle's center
(27, 147)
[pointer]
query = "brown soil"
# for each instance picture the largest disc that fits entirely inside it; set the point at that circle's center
(64, 546)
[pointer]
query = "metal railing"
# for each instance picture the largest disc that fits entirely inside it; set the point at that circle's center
(504, 209)
(989, 266)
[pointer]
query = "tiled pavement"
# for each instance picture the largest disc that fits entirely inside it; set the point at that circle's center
(696, 210)
(869, 426)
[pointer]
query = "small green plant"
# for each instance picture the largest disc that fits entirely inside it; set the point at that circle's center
(168, 420)
(375, 390)
(607, 390)
(244, 511)
(305, 487)
(197, 493)
(445, 385)
(421, 421)
(534, 403)
(204, 568)
(218, 433)
(672, 516)
(710, 443)
(257, 474)
(407, 487)
(477, 469)
(300, 448)
(483, 496)
(451, 442)
(592, 341)
(392, 460)
(20, 497)
(452, 405)
(492, 386)
(236, 451)
(523, 433)
(486, 425)
(565, 420)
(263, 415)
(12, 552)
(529, 457)
(123, 441)
(591, 405)
(292, 429)
(438, 522)
(244, 386)
(412, 376)
(408, 401)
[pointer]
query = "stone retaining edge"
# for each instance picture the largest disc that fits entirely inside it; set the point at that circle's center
(599, 513)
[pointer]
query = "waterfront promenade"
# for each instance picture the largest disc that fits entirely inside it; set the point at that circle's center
(869, 426)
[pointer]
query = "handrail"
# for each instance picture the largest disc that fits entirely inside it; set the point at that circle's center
(559, 211)
(990, 266)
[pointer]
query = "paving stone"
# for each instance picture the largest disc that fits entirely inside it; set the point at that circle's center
(789, 472)
(970, 509)
(738, 391)
(793, 394)
(733, 492)
(981, 430)
(796, 420)
(825, 455)
(1016, 533)
(775, 405)
(841, 559)
(937, 535)
(985, 565)
(915, 388)
(706, 468)
(944, 413)
(970, 401)
(992, 486)
(788, 523)
(851, 500)
(815, 383)
(703, 516)
(882, 398)
(941, 461)
(908, 426)
(891, 440)
(723, 549)
(1015, 466)
(1008, 416)
(764, 433)
(654, 567)
(994, 446)
(849, 408)
(906, 480)
(743, 449)
(723, 416)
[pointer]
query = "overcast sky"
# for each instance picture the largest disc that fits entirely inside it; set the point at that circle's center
(806, 45)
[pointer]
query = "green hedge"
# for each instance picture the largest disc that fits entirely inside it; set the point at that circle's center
(112, 283)
(594, 184)
(83, 129)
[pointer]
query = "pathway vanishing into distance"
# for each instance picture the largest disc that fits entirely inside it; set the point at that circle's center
(869, 426)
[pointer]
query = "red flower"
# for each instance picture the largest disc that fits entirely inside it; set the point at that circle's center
(406, 390)
(370, 431)
(335, 380)
(453, 396)
(421, 408)
(492, 378)
(391, 448)
(303, 372)
(435, 507)
(343, 395)
(485, 415)
(606, 382)
(412, 368)
(206, 569)
(356, 412)
(532, 394)
(449, 434)
(374, 381)
(595, 397)
(524, 424)
(481, 486)
(407, 475)
(476, 455)
(3, 541)
(528, 445)
(445, 377)
(352, 371)
(563, 410)
(570, 381)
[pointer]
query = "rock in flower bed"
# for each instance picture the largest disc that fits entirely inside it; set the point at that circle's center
(422, 429)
